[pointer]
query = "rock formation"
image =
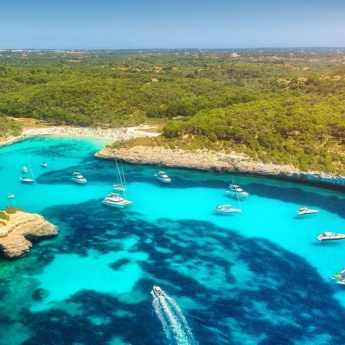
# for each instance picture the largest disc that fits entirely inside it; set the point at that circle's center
(22, 226)
(203, 160)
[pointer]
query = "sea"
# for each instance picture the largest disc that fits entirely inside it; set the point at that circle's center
(256, 277)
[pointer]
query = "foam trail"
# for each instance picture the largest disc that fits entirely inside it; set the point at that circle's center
(174, 323)
(162, 318)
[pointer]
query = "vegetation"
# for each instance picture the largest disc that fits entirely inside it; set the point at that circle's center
(4, 216)
(11, 210)
(284, 106)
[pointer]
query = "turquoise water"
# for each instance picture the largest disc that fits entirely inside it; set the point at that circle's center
(259, 277)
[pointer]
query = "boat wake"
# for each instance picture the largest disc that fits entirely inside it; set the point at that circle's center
(174, 323)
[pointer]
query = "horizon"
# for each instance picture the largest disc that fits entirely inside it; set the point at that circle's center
(86, 25)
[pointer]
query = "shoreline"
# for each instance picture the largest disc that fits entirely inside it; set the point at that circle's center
(161, 157)
(219, 162)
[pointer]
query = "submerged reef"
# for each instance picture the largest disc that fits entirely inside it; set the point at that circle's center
(19, 229)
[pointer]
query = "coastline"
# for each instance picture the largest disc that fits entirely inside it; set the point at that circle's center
(162, 157)
(218, 162)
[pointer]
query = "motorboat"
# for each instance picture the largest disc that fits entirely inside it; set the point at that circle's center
(163, 177)
(119, 187)
(78, 178)
(236, 191)
(227, 209)
(340, 282)
(44, 164)
(305, 210)
(115, 200)
(10, 195)
(157, 291)
(24, 170)
(328, 236)
(27, 180)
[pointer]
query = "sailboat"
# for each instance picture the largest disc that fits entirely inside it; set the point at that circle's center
(118, 199)
(28, 180)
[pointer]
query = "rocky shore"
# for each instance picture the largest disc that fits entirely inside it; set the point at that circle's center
(202, 160)
(15, 235)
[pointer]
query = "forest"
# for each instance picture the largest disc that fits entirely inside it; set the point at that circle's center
(283, 106)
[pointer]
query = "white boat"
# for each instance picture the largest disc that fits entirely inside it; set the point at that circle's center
(44, 164)
(329, 236)
(28, 180)
(340, 282)
(10, 195)
(119, 187)
(115, 200)
(78, 178)
(236, 191)
(24, 170)
(157, 291)
(163, 177)
(305, 210)
(227, 209)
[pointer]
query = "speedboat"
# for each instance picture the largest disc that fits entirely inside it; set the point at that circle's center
(236, 191)
(119, 187)
(305, 210)
(340, 282)
(10, 195)
(328, 236)
(44, 164)
(78, 178)
(227, 209)
(24, 170)
(157, 291)
(26, 180)
(115, 200)
(163, 177)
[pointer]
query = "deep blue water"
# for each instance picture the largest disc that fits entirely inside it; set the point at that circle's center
(259, 277)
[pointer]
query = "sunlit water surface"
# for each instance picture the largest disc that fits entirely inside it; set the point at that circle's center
(259, 277)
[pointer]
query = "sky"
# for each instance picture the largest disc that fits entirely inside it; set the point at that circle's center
(150, 24)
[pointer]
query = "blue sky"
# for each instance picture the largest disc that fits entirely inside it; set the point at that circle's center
(102, 24)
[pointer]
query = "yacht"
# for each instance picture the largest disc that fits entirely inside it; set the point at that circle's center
(227, 209)
(305, 210)
(24, 170)
(163, 177)
(44, 164)
(115, 200)
(26, 180)
(78, 178)
(157, 291)
(341, 282)
(328, 236)
(236, 191)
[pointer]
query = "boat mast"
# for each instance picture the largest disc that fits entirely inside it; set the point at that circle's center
(32, 174)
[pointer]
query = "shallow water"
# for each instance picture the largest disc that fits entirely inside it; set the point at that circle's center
(259, 277)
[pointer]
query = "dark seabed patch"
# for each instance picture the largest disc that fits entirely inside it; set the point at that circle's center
(231, 290)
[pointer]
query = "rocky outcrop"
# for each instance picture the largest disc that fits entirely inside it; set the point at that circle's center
(22, 227)
(203, 160)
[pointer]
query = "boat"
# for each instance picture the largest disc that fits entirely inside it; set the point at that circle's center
(227, 209)
(329, 236)
(28, 180)
(340, 282)
(10, 195)
(157, 291)
(78, 178)
(163, 177)
(236, 191)
(24, 170)
(44, 164)
(305, 210)
(119, 187)
(116, 199)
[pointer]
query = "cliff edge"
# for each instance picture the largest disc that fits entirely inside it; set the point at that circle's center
(16, 232)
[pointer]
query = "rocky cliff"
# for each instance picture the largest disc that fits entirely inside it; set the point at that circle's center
(16, 234)
(202, 160)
